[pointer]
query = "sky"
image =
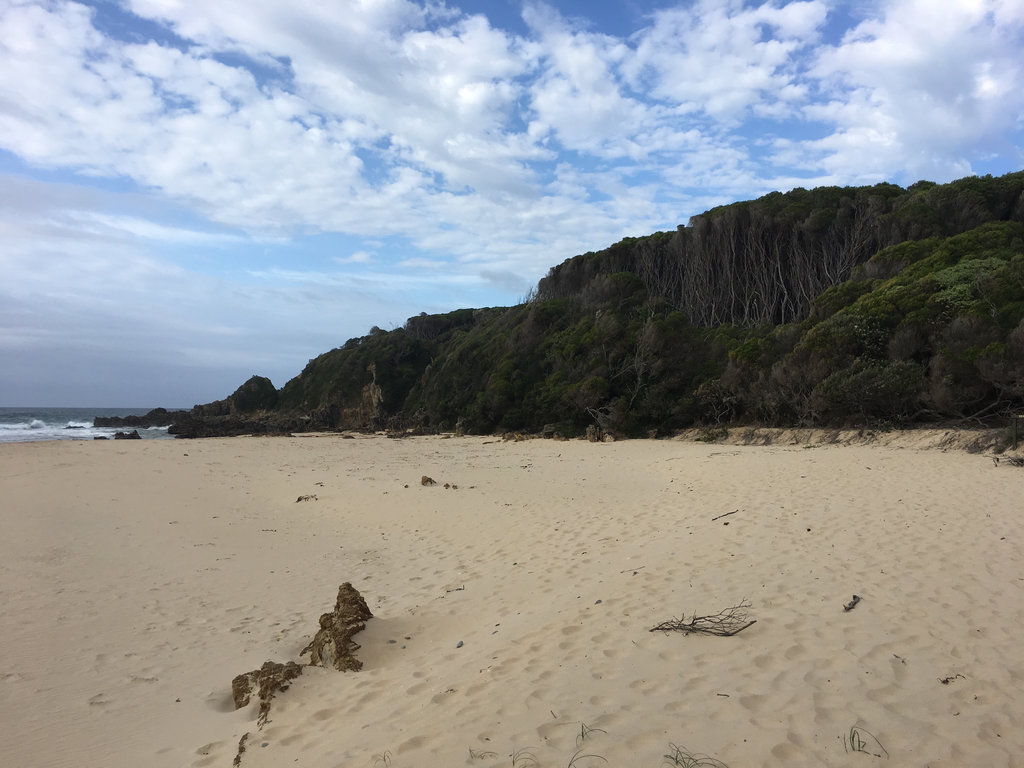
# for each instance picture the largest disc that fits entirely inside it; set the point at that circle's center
(193, 192)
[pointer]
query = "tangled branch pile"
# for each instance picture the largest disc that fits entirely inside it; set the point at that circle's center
(724, 623)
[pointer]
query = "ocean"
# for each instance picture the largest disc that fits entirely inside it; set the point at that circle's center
(22, 425)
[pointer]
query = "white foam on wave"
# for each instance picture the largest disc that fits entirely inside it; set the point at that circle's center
(19, 425)
(36, 430)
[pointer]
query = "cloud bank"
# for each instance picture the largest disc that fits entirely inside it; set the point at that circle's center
(211, 176)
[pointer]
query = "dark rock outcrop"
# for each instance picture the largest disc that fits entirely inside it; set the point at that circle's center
(256, 394)
(193, 425)
(133, 435)
(247, 411)
(333, 645)
(158, 417)
(266, 681)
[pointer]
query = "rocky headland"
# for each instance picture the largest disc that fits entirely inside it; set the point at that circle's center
(247, 411)
(869, 307)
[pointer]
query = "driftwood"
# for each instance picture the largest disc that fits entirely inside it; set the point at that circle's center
(725, 623)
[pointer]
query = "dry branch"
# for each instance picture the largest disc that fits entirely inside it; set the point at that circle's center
(725, 623)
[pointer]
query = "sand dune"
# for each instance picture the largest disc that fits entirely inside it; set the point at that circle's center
(512, 611)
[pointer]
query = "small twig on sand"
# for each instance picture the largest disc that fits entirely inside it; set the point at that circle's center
(725, 515)
(852, 604)
(725, 623)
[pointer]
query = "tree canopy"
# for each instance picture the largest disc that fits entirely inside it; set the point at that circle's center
(853, 305)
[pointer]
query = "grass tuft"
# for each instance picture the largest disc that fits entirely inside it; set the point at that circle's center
(585, 731)
(524, 758)
(577, 757)
(862, 740)
(684, 758)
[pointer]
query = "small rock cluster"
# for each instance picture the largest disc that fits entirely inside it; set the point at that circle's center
(332, 646)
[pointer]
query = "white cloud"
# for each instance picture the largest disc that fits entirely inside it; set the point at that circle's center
(86, 300)
(577, 94)
(357, 257)
(419, 104)
(455, 157)
(419, 263)
(725, 59)
(114, 226)
(920, 90)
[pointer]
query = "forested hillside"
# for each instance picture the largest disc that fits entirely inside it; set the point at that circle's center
(867, 305)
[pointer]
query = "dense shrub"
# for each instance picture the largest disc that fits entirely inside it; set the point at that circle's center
(870, 392)
(832, 305)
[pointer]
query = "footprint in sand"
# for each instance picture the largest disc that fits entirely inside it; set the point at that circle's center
(796, 651)
(210, 754)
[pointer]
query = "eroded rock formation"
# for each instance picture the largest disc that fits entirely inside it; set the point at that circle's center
(158, 417)
(333, 645)
(266, 681)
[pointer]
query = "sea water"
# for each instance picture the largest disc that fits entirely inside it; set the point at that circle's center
(20, 425)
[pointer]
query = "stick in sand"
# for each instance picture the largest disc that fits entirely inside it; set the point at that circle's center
(725, 623)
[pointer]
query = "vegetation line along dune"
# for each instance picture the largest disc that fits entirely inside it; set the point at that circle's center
(839, 305)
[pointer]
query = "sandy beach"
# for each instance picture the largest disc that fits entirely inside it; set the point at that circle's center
(512, 608)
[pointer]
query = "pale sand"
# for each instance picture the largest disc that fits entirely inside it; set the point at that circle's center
(139, 577)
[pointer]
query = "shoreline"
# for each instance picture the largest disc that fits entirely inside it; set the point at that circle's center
(996, 440)
(989, 439)
(143, 576)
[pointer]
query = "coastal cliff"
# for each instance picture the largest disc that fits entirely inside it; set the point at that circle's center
(833, 306)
